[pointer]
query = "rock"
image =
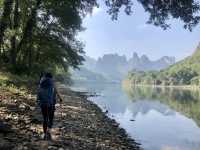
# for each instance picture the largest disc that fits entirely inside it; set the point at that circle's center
(83, 125)
(25, 148)
(52, 147)
(20, 147)
(15, 117)
(22, 107)
(32, 108)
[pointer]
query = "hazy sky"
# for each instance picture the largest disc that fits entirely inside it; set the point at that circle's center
(130, 34)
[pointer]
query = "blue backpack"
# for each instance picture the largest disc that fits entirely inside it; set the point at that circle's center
(45, 93)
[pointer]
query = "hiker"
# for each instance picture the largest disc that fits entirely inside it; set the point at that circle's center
(47, 94)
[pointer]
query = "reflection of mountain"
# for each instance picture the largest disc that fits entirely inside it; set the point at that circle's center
(117, 101)
(111, 98)
(183, 101)
(115, 67)
(145, 106)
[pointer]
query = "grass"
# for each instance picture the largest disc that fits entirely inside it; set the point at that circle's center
(17, 84)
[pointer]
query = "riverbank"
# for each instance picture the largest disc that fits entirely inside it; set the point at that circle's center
(182, 87)
(79, 124)
(127, 83)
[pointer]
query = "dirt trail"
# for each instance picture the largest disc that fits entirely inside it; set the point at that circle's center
(79, 125)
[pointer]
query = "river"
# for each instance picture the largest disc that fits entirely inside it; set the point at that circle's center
(158, 118)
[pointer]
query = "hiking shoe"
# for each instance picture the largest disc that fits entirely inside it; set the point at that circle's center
(49, 136)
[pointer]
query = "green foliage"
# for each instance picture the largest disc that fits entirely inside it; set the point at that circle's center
(42, 34)
(195, 80)
(161, 11)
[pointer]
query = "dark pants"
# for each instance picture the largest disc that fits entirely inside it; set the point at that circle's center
(48, 115)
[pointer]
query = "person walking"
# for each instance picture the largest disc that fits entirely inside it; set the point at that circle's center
(47, 95)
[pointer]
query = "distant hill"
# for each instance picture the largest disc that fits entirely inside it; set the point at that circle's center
(184, 72)
(144, 64)
(115, 67)
(112, 66)
(83, 74)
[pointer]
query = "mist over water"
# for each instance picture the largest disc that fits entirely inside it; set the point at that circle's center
(158, 118)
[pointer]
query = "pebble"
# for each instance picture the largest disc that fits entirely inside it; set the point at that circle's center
(82, 126)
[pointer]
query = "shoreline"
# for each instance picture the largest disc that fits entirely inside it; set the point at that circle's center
(79, 124)
(184, 87)
(118, 136)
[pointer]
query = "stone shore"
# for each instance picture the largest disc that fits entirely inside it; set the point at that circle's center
(79, 125)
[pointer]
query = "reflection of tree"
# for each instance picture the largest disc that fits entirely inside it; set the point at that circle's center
(184, 101)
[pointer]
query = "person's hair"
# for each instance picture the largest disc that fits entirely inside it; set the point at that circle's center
(42, 74)
(48, 75)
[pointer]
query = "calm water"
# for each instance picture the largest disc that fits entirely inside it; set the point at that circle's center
(164, 119)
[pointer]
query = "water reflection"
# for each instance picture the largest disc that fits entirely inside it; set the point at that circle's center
(186, 102)
(165, 119)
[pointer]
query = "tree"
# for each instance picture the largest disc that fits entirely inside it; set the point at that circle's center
(36, 34)
(46, 25)
(14, 27)
(161, 11)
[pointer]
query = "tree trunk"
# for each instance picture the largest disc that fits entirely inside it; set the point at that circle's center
(30, 46)
(28, 35)
(13, 52)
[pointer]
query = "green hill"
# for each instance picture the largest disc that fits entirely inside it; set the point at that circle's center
(185, 72)
(192, 62)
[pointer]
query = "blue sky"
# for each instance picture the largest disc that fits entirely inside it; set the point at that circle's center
(130, 34)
